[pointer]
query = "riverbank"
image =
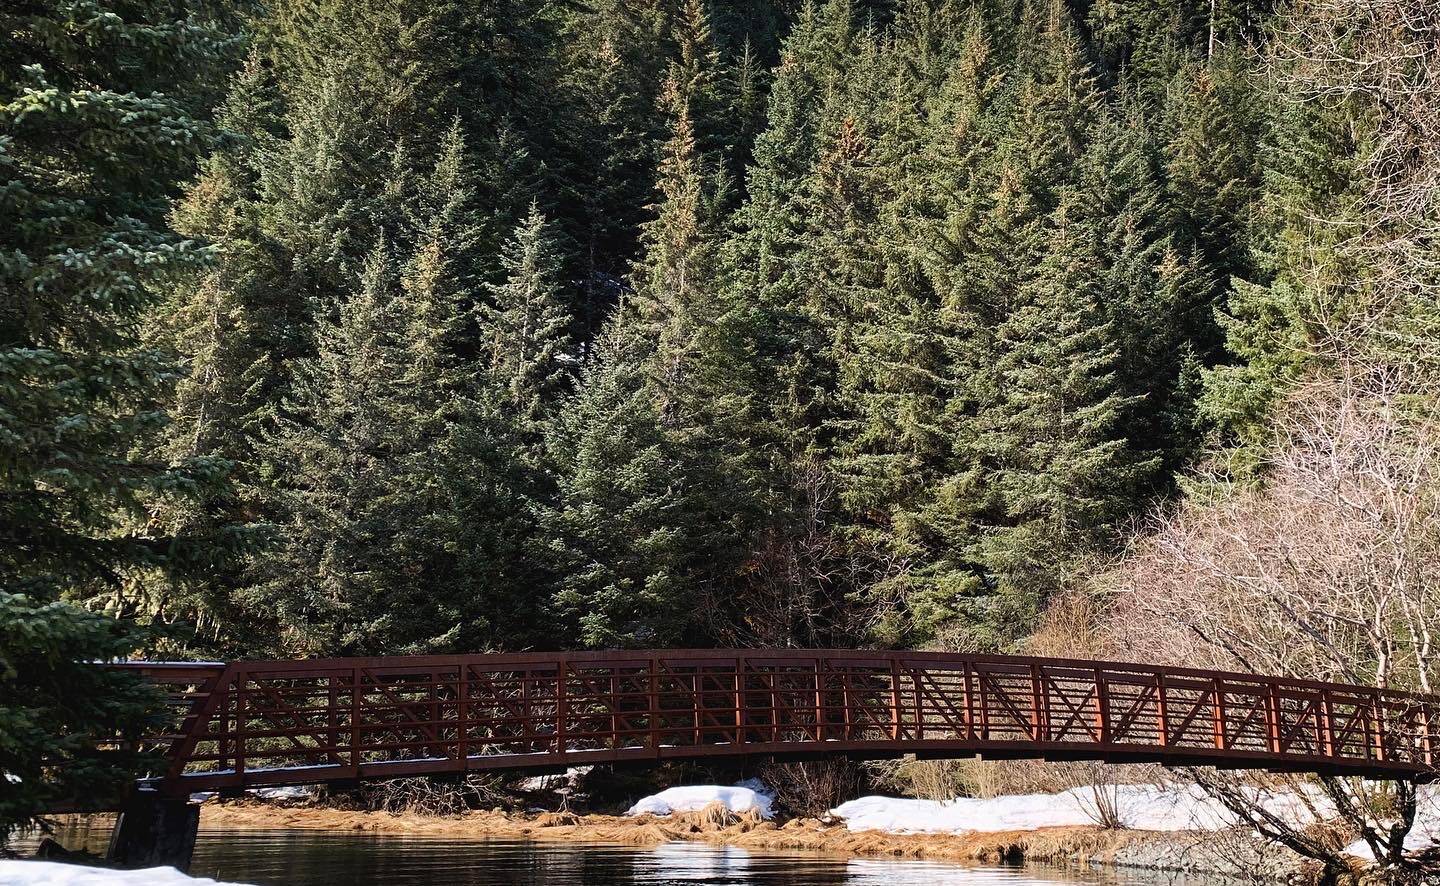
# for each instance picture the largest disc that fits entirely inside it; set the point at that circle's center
(1182, 851)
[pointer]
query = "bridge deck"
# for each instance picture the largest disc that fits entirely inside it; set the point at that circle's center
(249, 724)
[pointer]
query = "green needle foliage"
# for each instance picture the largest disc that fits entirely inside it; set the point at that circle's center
(103, 109)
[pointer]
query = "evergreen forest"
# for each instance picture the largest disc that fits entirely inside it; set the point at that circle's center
(359, 327)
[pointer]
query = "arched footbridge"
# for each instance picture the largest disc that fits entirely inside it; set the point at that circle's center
(263, 723)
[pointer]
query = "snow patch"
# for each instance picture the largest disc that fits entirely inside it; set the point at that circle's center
(288, 792)
(54, 873)
(555, 780)
(744, 797)
(1140, 807)
(1425, 834)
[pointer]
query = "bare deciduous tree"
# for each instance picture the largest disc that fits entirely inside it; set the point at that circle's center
(1382, 58)
(805, 585)
(1330, 571)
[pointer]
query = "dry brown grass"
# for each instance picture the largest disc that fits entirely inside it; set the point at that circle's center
(713, 824)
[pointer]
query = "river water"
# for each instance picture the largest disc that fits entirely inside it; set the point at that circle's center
(342, 858)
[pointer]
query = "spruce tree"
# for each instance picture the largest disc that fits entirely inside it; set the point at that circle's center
(1158, 299)
(397, 483)
(646, 538)
(236, 323)
(628, 545)
(1284, 318)
(104, 108)
(1006, 151)
(1055, 439)
(1212, 171)
(525, 341)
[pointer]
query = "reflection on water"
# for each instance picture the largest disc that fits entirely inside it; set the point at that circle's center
(327, 858)
(312, 858)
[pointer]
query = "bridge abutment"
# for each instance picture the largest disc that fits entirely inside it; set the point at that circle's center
(154, 831)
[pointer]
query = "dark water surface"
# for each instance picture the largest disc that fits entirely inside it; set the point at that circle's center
(346, 858)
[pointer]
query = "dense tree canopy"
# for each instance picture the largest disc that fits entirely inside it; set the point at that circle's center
(446, 325)
(103, 112)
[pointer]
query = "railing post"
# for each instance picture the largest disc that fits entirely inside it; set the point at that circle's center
(226, 744)
(774, 708)
(462, 714)
(845, 700)
(653, 696)
(1217, 710)
(1272, 719)
(697, 684)
(355, 698)
(240, 727)
(984, 704)
(1426, 739)
(1037, 704)
(1378, 714)
(739, 700)
(1162, 711)
(434, 728)
(969, 705)
(561, 708)
(894, 698)
(819, 703)
(614, 701)
(1325, 721)
(1102, 706)
(332, 719)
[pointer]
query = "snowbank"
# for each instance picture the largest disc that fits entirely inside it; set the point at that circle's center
(54, 873)
(743, 797)
(1424, 834)
(1140, 807)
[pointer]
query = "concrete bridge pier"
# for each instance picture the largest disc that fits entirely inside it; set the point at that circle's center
(154, 831)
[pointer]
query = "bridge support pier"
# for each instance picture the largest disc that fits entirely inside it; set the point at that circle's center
(154, 831)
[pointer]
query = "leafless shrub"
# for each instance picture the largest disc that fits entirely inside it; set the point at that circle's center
(814, 788)
(434, 796)
(1099, 794)
(1329, 571)
(805, 584)
(940, 779)
(1072, 626)
(1337, 811)
(923, 779)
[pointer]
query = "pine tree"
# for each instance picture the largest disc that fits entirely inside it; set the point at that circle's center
(104, 108)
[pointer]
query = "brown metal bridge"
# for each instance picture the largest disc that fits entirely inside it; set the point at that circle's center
(259, 723)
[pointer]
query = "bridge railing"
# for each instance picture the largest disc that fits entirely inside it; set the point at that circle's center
(254, 723)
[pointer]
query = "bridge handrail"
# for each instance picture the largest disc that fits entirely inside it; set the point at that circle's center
(245, 723)
(622, 655)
